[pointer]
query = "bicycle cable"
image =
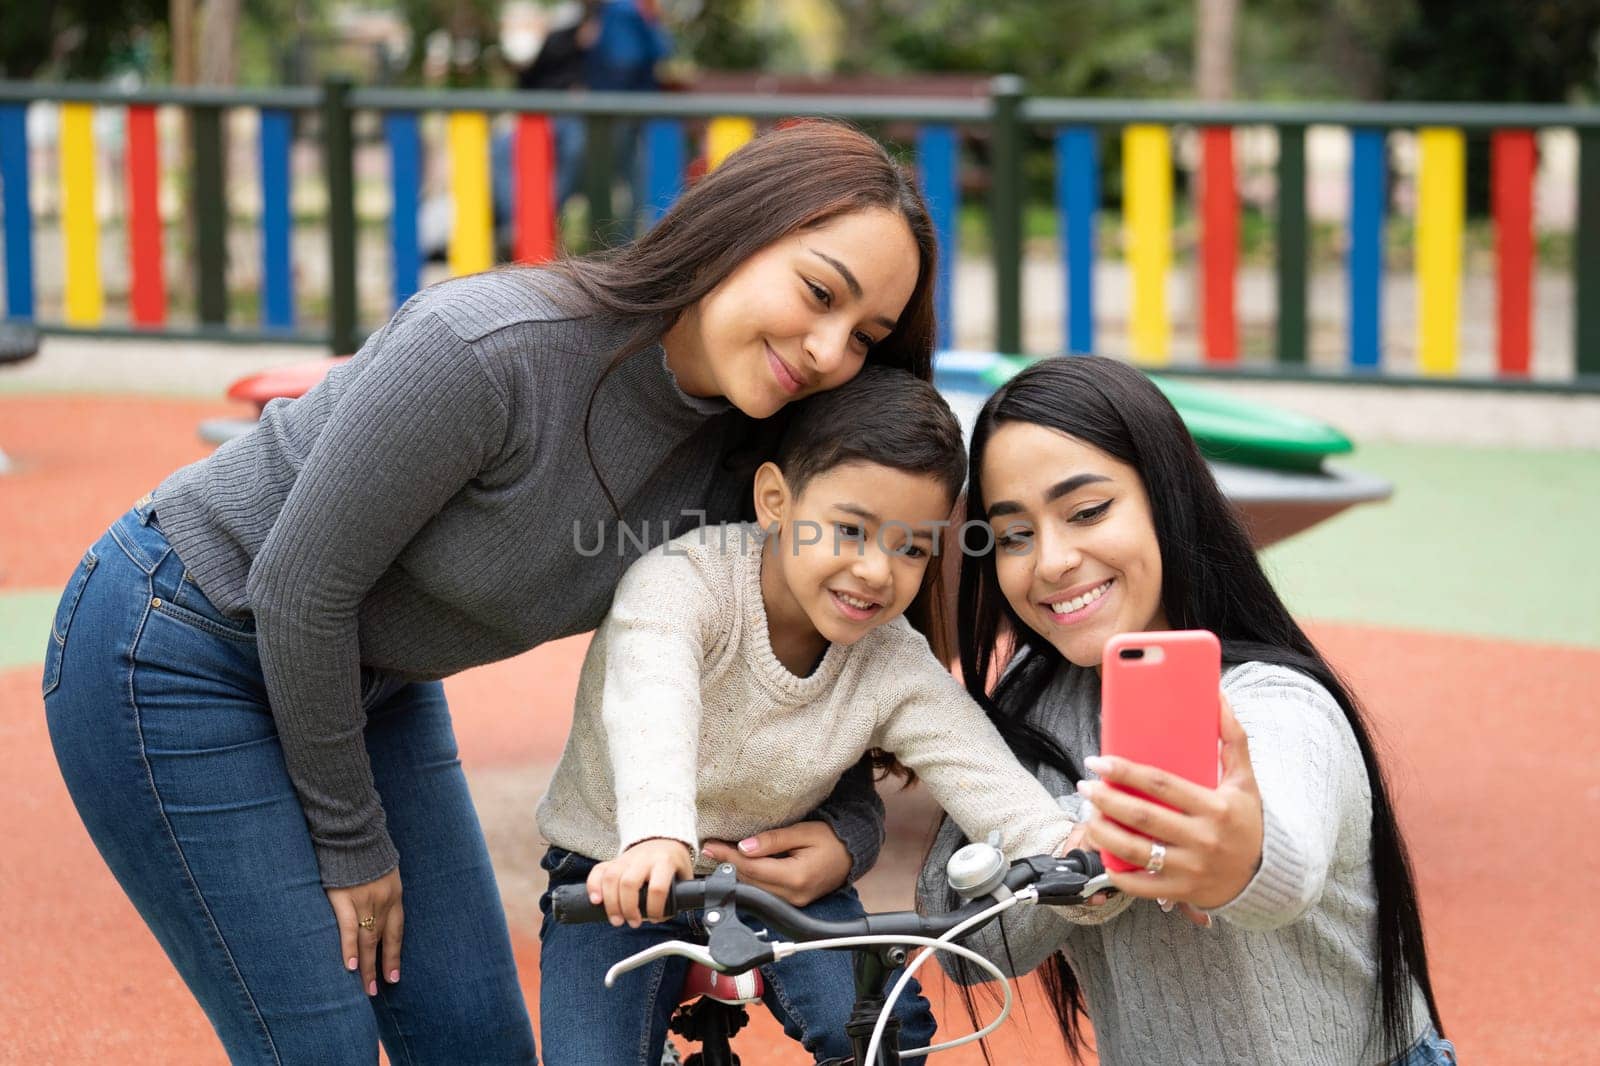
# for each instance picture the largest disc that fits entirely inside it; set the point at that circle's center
(783, 950)
(1029, 894)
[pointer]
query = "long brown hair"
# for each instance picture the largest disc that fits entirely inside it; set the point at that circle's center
(797, 176)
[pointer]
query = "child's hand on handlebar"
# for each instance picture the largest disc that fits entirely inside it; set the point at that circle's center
(655, 863)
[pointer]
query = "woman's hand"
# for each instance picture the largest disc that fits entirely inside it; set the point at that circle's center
(656, 863)
(799, 863)
(369, 915)
(1212, 837)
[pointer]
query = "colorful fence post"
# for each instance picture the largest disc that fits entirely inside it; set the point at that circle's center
(1292, 244)
(725, 135)
(665, 161)
(1147, 216)
(1513, 157)
(338, 161)
(1005, 209)
(85, 303)
(211, 215)
(19, 216)
(1365, 260)
(1441, 200)
(938, 161)
(535, 204)
(1586, 261)
(147, 292)
(1219, 244)
(277, 279)
(401, 131)
(1078, 201)
(472, 235)
(598, 163)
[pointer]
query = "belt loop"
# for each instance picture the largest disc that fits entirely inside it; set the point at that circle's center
(141, 507)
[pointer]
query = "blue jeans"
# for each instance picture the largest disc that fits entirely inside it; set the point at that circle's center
(158, 714)
(1431, 1049)
(583, 1023)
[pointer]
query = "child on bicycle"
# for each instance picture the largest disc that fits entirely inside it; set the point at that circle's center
(741, 670)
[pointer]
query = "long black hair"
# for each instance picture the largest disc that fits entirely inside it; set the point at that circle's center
(1211, 579)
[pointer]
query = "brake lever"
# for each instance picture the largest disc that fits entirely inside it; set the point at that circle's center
(693, 952)
(1097, 883)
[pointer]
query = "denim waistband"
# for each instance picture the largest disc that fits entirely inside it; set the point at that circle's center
(140, 538)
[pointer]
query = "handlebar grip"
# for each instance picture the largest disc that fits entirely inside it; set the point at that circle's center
(1093, 866)
(570, 904)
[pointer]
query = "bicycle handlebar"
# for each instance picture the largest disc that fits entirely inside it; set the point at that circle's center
(1060, 881)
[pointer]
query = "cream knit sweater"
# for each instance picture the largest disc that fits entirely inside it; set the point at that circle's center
(687, 726)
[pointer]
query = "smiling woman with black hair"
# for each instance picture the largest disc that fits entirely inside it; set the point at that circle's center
(1303, 940)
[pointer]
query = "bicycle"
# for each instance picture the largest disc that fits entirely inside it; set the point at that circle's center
(711, 1013)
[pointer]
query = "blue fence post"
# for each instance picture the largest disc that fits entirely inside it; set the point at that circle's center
(1366, 247)
(938, 166)
(1078, 201)
(665, 161)
(19, 217)
(277, 285)
(405, 185)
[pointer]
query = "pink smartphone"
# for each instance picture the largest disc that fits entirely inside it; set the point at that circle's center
(1159, 705)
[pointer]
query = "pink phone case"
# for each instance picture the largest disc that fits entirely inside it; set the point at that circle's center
(1159, 705)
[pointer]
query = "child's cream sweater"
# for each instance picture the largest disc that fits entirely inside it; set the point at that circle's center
(687, 726)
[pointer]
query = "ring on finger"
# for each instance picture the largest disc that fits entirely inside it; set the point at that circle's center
(368, 922)
(1158, 858)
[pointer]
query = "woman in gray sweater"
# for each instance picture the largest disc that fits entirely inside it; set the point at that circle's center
(242, 681)
(1298, 938)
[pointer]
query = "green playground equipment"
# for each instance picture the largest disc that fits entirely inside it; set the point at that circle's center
(1273, 464)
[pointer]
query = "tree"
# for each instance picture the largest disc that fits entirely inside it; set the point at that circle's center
(1540, 51)
(72, 38)
(1060, 47)
(1214, 44)
(219, 42)
(471, 28)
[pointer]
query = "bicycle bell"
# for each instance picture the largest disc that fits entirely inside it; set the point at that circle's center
(977, 869)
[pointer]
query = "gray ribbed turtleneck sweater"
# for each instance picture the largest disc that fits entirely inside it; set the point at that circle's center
(1288, 971)
(430, 507)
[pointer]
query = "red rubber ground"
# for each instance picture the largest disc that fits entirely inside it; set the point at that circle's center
(1493, 745)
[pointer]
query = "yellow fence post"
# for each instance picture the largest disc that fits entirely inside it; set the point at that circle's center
(1440, 207)
(1147, 218)
(724, 137)
(472, 235)
(80, 227)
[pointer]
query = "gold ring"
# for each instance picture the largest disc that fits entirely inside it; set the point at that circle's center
(368, 922)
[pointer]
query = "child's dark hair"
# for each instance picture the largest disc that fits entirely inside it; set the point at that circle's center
(891, 418)
(883, 416)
